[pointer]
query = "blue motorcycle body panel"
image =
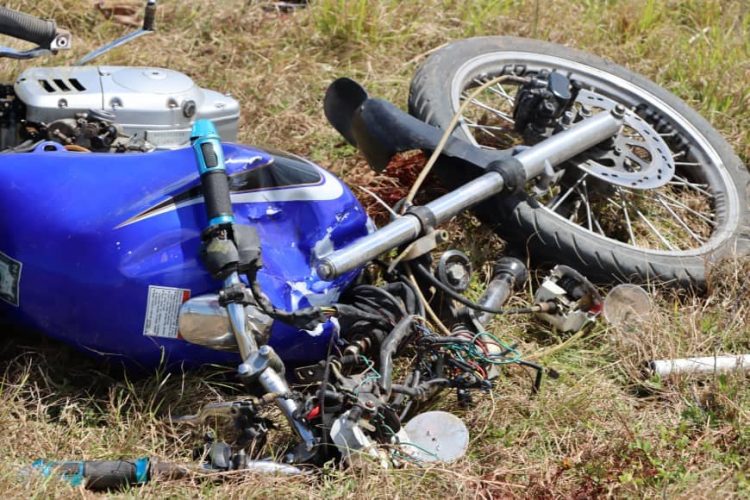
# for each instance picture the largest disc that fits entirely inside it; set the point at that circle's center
(99, 250)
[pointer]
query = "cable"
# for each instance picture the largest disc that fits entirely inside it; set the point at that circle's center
(322, 390)
(423, 300)
(468, 303)
(399, 442)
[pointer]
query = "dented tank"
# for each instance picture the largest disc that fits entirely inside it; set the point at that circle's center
(101, 252)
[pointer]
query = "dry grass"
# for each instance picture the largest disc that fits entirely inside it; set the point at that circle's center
(599, 429)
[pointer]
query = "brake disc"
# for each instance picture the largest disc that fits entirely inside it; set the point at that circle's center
(637, 158)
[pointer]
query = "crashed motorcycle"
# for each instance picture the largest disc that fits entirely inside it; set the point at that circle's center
(136, 230)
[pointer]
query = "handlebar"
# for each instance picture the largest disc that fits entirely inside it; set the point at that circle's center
(97, 474)
(533, 162)
(28, 28)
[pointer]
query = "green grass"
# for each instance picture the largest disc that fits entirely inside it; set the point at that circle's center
(598, 430)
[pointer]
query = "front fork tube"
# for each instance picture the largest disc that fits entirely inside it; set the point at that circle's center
(256, 362)
(245, 341)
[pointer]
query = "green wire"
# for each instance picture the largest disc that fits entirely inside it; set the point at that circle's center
(516, 354)
(393, 433)
(420, 449)
(370, 378)
(464, 350)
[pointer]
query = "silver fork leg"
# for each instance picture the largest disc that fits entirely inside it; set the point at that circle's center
(257, 364)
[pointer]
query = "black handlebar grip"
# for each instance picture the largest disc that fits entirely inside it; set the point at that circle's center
(216, 194)
(110, 474)
(26, 27)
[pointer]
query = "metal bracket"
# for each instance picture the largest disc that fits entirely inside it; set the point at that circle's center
(224, 409)
(63, 41)
(546, 179)
(257, 362)
(420, 247)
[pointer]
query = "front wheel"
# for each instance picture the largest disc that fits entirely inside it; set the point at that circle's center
(667, 199)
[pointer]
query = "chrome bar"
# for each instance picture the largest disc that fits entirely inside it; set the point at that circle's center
(569, 143)
(273, 382)
(555, 150)
(245, 341)
(365, 249)
(270, 379)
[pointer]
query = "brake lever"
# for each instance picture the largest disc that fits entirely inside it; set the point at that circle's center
(223, 409)
(23, 54)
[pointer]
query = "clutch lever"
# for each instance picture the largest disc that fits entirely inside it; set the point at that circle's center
(149, 19)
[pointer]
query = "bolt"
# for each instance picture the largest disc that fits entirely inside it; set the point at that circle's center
(618, 111)
(264, 350)
(456, 272)
(325, 270)
(243, 369)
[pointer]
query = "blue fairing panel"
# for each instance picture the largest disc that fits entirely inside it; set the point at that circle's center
(95, 247)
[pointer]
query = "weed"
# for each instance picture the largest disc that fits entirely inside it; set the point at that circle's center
(598, 430)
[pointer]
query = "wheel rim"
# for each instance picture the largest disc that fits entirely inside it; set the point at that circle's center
(691, 214)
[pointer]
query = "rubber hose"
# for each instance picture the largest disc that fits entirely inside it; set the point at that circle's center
(388, 348)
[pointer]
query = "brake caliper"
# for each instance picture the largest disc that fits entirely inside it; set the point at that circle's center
(541, 103)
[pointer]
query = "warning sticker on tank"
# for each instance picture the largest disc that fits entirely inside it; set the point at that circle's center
(162, 311)
(10, 279)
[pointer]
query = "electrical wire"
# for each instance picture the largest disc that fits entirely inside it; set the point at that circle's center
(322, 390)
(463, 300)
(427, 307)
(406, 443)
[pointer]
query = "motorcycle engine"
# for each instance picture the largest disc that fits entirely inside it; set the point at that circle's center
(118, 108)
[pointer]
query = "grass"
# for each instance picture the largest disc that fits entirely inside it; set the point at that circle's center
(598, 430)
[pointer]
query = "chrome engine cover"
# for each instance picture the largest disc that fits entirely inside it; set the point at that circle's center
(158, 105)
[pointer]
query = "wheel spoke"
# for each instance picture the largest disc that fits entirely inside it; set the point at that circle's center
(681, 222)
(473, 124)
(501, 90)
(486, 107)
(678, 204)
(655, 231)
(567, 193)
(627, 217)
(502, 93)
(576, 206)
(585, 197)
(482, 128)
(693, 185)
